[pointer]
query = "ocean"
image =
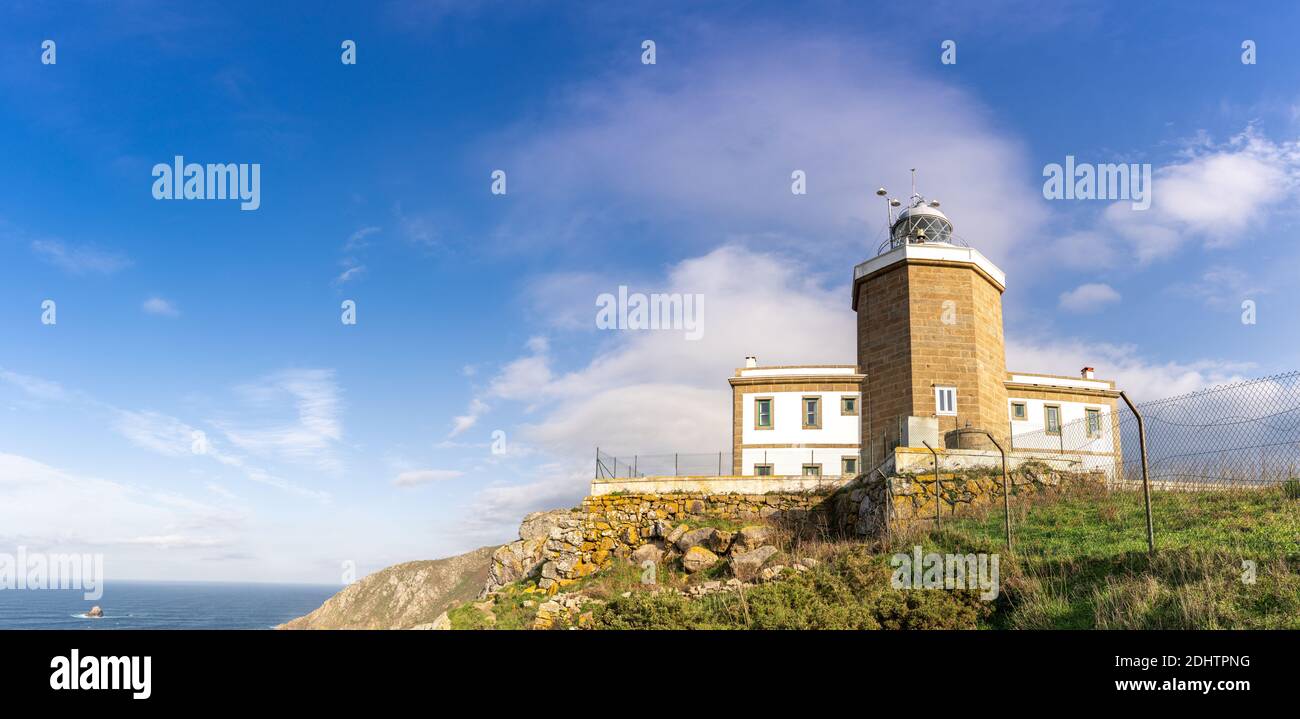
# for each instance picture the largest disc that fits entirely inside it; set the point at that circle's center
(163, 605)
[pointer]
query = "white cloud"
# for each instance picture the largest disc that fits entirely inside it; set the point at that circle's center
(51, 508)
(313, 397)
(160, 306)
(1142, 378)
(79, 259)
(350, 273)
(714, 140)
(1222, 286)
(357, 240)
(462, 423)
(416, 229)
(1090, 297)
(157, 432)
(1217, 194)
(417, 477)
(34, 387)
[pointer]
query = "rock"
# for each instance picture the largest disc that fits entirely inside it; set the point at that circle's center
(538, 525)
(442, 623)
(720, 542)
(95, 612)
(698, 558)
(513, 562)
(677, 533)
(647, 553)
(772, 572)
(807, 562)
(696, 537)
(752, 537)
(745, 566)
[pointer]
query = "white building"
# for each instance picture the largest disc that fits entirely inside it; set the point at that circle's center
(796, 420)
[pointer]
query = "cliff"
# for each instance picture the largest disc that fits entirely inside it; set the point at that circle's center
(403, 596)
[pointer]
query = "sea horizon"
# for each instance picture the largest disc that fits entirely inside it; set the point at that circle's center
(164, 604)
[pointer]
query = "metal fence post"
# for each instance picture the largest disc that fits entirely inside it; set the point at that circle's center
(1146, 482)
(1006, 489)
(938, 521)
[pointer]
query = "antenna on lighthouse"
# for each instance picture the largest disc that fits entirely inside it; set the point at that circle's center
(913, 182)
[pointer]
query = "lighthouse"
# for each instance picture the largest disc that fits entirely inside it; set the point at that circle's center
(929, 336)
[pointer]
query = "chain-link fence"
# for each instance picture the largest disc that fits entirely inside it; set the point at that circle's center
(1083, 481)
(1244, 435)
(697, 464)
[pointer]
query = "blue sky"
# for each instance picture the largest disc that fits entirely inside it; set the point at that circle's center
(370, 443)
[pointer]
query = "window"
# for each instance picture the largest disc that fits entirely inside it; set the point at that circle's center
(1094, 422)
(812, 412)
(848, 405)
(1052, 419)
(849, 466)
(763, 470)
(763, 413)
(945, 401)
(812, 470)
(1018, 411)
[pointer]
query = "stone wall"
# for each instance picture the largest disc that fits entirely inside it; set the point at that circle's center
(912, 502)
(563, 546)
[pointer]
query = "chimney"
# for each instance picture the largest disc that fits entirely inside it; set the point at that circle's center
(751, 361)
(1086, 373)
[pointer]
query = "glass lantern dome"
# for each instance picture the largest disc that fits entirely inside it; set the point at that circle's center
(920, 223)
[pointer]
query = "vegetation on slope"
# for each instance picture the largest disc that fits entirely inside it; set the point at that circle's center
(1080, 562)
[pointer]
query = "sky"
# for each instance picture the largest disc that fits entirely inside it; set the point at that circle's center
(199, 410)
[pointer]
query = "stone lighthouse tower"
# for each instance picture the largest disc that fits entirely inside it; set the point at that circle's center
(929, 313)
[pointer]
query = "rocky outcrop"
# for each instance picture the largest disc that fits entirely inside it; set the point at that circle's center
(95, 612)
(403, 596)
(746, 565)
(697, 559)
(752, 537)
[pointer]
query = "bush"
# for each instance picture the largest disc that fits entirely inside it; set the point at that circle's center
(850, 591)
(1291, 488)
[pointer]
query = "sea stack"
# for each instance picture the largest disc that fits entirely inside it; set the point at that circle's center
(95, 612)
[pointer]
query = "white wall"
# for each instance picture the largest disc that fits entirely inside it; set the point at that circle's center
(791, 461)
(1028, 434)
(787, 428)
(787, 424)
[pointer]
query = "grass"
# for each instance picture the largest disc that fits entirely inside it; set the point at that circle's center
(725, 525)
(1094, 523)
(514, 608)
(1081, 560)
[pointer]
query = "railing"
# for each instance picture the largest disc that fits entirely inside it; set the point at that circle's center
(708, 464)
